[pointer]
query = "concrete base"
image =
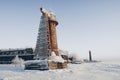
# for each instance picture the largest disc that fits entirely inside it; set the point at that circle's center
(37, 65)
(44, 65)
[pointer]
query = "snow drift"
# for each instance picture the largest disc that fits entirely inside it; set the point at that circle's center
(55, 58)
(86, 71)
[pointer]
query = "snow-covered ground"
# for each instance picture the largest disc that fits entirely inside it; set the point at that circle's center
(85, 71)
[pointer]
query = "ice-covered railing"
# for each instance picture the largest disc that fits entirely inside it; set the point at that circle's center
(12, 49)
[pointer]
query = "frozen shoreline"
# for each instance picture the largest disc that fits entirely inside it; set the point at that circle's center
(85, 71)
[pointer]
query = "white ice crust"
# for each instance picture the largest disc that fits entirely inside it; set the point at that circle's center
(55, 58)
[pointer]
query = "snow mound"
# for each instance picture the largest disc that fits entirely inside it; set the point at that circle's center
(55, 58)
(18, 61)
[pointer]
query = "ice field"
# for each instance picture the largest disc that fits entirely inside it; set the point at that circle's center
(85, 71)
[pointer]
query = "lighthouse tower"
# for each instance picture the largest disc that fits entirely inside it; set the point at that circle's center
(46, 45)
(47, 38)
(53, 37)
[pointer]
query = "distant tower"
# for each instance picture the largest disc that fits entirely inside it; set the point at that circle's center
(90, 56)
(47, 39)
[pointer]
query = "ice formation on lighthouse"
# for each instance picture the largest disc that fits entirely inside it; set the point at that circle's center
(55, 58)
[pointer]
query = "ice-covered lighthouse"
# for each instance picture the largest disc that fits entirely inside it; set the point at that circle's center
(47, 38)
(46, 52)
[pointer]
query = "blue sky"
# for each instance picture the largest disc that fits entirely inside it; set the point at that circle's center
(83, 25)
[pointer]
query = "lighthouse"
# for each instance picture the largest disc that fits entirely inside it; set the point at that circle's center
(47, 37)
(46, 51)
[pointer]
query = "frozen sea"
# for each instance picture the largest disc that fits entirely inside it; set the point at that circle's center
(109, 70)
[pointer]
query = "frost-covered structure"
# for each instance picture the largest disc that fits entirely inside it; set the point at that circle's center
(46, 50)
(53, 62)
(57, 62)
(7, 55)
(41, 50)
(37, 65)
(47, 39)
